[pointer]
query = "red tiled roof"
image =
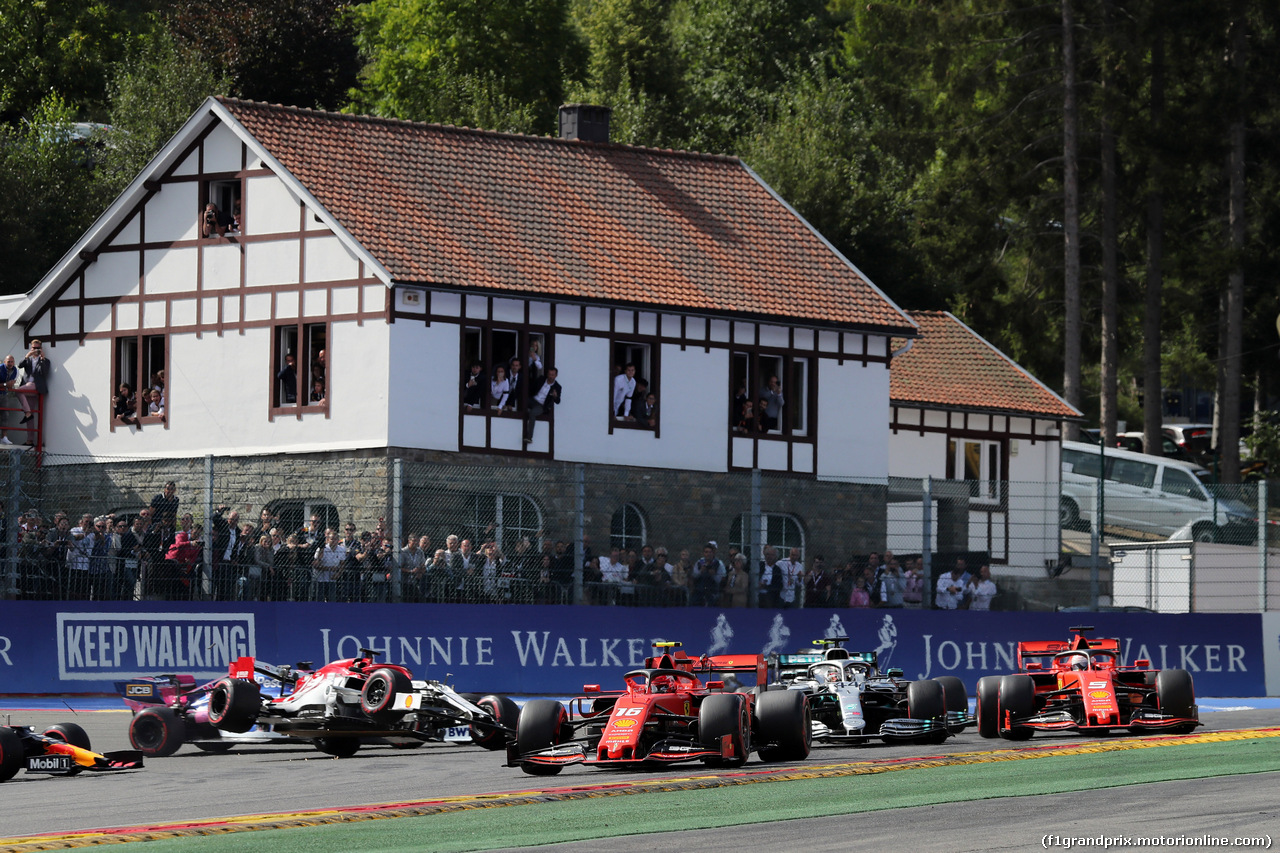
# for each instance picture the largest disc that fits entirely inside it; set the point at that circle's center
(951, 365)
(444, 205)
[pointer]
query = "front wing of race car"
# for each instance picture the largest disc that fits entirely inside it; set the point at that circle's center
(1065, 720)
(908, 729)
(669, 751)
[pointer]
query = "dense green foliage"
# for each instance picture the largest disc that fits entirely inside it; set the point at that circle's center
(924, 138)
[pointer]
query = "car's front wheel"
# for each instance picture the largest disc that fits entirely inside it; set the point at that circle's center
(784, 726)
(725, 714)
(541, 724)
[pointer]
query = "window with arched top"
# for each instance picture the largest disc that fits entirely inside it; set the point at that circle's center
(628, 529)
(783, 532)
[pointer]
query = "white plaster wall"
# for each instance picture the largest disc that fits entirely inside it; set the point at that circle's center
(423, 385)
(688, 380)
(853, 419)
(172, 213)
(269, 207)
(114, 274)
(328, 260)
(222, 150)
(218, 398)
(914, 455)
(274, 262)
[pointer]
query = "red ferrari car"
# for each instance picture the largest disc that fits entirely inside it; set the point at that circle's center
(664, 715)
(62, 750)
(1083, 685)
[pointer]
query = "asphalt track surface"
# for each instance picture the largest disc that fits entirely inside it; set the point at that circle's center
(193, 785)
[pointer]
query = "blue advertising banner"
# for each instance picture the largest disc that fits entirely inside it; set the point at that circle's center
(82, 647)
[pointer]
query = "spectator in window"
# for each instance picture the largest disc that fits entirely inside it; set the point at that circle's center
(980, 589)
(534, 363)
(473, 386)
(746, 421)
(499, 388)
(237, 216)
(771, 411)
(543, 401)
(214, 221)
(125, 405)
(320, 369)
(8, 376)
(36, 369)
(624, 388)
(288, 379)
(156, 408)
(317, 391)
(515, 385)
(649, 410)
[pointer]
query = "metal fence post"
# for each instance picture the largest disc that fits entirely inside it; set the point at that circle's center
(759, 536)
(579, 509)
(13, 523)
(1095, 543)
(208, 527)
(926, 553)
(397, 523)
(1262, 546)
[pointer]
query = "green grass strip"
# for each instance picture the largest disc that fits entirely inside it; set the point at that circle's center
(612, 816)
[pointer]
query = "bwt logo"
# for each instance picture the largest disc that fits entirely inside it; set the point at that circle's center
(94, 646)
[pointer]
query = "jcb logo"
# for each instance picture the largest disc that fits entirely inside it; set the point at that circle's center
(138, 690)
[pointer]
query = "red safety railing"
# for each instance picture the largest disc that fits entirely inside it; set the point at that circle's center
(30, 433)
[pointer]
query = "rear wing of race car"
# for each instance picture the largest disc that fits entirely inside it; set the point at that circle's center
(247, 667)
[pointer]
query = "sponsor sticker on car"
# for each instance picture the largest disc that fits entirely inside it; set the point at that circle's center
(1099, 694)
(49, 763)
(458, 734)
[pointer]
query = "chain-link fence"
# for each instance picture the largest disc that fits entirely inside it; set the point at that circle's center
(425, 528)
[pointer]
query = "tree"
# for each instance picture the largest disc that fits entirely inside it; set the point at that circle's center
(297, 52)
(499, 65)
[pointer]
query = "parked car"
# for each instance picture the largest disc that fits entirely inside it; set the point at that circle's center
(1084, 685)
(1168, 448)
(1148, 495)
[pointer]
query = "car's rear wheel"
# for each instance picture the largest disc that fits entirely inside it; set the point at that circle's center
(378, 696)
(784, 725)
(1204, 532)
(1068, 513)
(504, 713)
(11, 753)
(1176, 695)
(725, 714)
(989, 706)
(338, 747)
(1017, 698)
(234, 704)
(157, 732)
(541, 724)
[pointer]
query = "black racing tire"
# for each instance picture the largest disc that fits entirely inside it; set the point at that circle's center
(954, 693)
(989, 706)
(725, 714)
(157, 732)
(214, 747)
(784, 726)
(338, 747)
(926, 701)
(378, 696)
(541, 724)
(1017, 697)
(234, 704)
(11, 753)
(1068, 513)
(1176, 693)
(69, 733)
(505, 712)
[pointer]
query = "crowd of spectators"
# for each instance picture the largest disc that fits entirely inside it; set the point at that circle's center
(523, 387)
(161, 554)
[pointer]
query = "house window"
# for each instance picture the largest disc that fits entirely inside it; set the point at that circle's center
(226, 212)
(140, 363)
(633, 387)
(783, 532)
(978, 463)
(771, 394)
(505, 519)
(293, 514)
(500, 368)
(299, 367)
(628, 528)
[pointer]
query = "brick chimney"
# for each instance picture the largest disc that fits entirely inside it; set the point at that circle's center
(585, 122)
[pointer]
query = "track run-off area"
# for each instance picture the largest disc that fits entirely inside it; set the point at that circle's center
(448, 797)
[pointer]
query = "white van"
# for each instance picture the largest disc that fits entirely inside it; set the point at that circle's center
(1149, 495)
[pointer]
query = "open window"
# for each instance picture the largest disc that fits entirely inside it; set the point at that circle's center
(633, 388)
(978, 463)
(770, 394)
(502, 368)
(226, 213)
(299, 367)
(140, 363)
